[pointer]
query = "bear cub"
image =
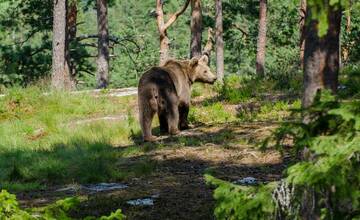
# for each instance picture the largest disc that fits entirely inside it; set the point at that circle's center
(166, 90)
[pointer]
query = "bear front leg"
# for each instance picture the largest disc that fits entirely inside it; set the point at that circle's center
(173, 119)
(183, 114)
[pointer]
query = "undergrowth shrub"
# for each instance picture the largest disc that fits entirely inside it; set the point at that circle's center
(350, 80)
(10, 210)
(241, 202)
(331, 170)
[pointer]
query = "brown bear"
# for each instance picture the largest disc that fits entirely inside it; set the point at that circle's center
(166, 90)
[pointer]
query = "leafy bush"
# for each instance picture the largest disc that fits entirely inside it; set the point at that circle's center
(240, 202)
(331, 170)
(351, 81)
(9, 207)
(9, 210)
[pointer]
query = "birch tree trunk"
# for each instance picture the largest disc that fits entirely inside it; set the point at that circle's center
(261, 43)
(219, 41)
(196, 28)
(103, 44)
(61, 79)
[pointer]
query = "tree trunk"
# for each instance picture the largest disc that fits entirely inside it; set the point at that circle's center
(103, 44)
(302, 31)
(321, 59)
(261, 44)
(162, 28)
(196, 28)
(71, 35)
(219, 41)
(61, 79)
(164, 40)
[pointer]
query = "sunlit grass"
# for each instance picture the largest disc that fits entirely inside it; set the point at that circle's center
(42, 144)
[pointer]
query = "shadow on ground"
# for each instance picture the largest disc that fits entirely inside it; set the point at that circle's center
(173, 171)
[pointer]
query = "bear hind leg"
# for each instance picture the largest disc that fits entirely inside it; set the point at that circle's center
(146, 117)
(164, 127)
(173, 119)
(183, 114)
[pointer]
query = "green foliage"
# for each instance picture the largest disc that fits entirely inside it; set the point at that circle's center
(25, 52)
(42, 140)
(332, 139)
(240, 202)
(118, 215)
(237, 89)
(320, 10)
(60, 209)
(9, 208)
(210, 113)
(350, 82)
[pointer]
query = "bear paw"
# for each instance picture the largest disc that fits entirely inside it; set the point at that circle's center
(150, 139)
(174, 131)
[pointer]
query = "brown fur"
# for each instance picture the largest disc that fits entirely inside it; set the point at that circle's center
(166, 90)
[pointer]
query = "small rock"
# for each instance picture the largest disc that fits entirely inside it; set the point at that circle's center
(246, 181)
(104, 187)
(141, 202)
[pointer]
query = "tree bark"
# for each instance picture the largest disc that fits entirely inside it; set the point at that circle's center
(61, 79)
(261, 44)
(71, 34)
(209, 44)
(103, 44)
(321, 58)
(196, 28)
(219, 41)
(162, 28)
(302, 31)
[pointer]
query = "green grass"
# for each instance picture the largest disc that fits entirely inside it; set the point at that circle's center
(41, 144)
(210, 113)
(278, 111)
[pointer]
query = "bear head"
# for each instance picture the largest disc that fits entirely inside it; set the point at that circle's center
(200, 70)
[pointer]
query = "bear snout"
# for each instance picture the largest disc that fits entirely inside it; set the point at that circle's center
(213, 80)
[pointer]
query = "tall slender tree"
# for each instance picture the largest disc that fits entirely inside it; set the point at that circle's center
(61, 78)
(302, 12)
(219, 40)
(71, 34)
(321, 58)
(261, 43)
(103, 44)
(163, 27)
(196, 28)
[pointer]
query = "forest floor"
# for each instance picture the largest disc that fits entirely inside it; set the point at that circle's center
(176, 185)
(168, 174)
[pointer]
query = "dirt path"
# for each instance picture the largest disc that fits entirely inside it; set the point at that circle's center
(99, 92)
(176, 186)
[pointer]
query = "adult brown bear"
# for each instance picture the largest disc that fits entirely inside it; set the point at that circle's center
(166, 90)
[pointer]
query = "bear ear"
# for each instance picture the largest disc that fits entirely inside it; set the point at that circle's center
(204, 59)
(194, 61)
